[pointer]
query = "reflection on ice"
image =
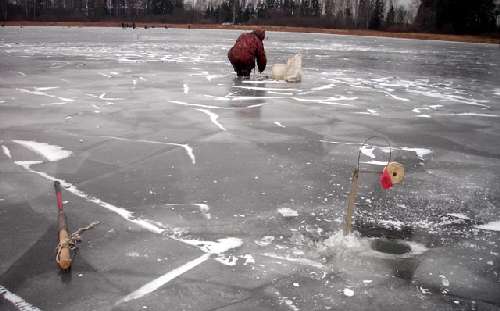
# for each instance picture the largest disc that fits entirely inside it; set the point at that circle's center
(259, 88)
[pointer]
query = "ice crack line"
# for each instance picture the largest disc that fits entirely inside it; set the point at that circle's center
(187, 148)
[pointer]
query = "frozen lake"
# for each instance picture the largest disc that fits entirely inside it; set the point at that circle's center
(220, 194)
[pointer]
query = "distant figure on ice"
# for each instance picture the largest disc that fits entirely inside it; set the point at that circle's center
(247, 48)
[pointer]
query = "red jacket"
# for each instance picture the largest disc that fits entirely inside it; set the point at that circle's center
(247, 48)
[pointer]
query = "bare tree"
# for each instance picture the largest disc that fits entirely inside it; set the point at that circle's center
(330, 6)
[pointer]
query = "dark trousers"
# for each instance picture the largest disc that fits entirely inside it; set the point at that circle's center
(242, 70)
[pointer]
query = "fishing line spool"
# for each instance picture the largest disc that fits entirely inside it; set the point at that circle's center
(393, 173)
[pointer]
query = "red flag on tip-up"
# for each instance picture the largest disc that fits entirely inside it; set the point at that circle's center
(385, 179)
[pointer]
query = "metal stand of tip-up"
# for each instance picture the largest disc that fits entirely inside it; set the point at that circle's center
(392, 173)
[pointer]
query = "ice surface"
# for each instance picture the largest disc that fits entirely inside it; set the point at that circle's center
(169, 167)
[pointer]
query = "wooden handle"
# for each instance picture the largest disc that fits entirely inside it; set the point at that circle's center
(63, 257)
(64, 253)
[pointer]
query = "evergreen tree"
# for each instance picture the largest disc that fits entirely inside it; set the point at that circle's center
(246, 15)
(261, 10)
(377, 15)
(162, 7)
(458, 16)
(391, 16)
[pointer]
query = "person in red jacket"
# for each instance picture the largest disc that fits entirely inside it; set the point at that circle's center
(247, 48)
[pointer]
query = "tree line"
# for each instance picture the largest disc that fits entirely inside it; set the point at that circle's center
(447, 16)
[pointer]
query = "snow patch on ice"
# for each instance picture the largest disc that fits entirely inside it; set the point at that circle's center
(213, 118)
(368, 112)
(6, 151)
(248, 259)
(230, 260)
(287, 301)
(374, 162)
(193, 105)
(396, 97)
(444, 281)
(136, 255)
(287, 212)
(459, 215)
(424, 291)
(493, 226)
(419, 110)
(219, 247)
(164, 279)
(45, 88)
(204, 208)
(17, 301)
(297, 260)
(392, 224)
(103, 97)
(265, 241)
(348, 292)
(323, 87)
(473, 114)
(368, 151)
(421, 152)
(50, 152)
(40, 93)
